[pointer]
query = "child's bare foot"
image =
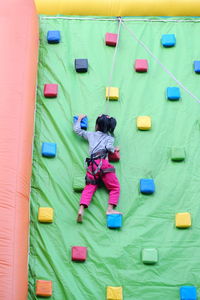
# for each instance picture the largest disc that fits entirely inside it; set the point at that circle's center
(79, 218)
(80, 214)
(112, 211)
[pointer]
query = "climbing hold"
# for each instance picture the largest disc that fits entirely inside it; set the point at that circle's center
(197, 66)
(79, 253)
(49, 149)
(114, 293)
(149, 256)
(78, 183)
(173, 93)
(141, 65)
(183, 220)
(53, 36)
(188, 293)
(147, 186)
(177, 153)
(114, 220)
(168, 40)
(45, 214)
(50, 90)
(144, 122)
(84, 122)
(81, 65)
(111, 39)
(112, 93)
(115, 156)
(44, 288)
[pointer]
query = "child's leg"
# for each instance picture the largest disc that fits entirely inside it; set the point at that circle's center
(85, 200)
(112, 184)
(87, 194)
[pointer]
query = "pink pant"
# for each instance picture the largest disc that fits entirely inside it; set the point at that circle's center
(109, 179)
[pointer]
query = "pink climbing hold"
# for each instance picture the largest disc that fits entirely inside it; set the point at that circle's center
(141, 65)
(79, 253)
(111, 39)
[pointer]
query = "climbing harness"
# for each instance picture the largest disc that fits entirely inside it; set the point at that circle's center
(91, 162)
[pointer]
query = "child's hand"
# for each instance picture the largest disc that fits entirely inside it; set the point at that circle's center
(80, 117)
(117, 149)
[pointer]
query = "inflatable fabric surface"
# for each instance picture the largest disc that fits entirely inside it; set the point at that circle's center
(119, 7)
(114, 257)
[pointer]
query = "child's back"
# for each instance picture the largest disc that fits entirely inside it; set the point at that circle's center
(98, 140)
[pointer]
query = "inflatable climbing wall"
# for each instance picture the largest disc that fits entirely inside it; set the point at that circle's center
(148, 70)
(155, 253)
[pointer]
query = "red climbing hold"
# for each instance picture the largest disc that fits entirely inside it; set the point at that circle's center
(50, 90)
(115, 156)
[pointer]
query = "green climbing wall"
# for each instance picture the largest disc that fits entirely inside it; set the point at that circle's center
(114, 257)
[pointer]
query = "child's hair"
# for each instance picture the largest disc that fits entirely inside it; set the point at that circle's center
(106, 124)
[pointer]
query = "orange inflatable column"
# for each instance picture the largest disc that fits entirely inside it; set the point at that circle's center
(18, 69)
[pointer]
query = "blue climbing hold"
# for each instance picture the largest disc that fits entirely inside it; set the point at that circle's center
(53, 36)
(114, 220)
(197, 66)
(48, 149)
(188, 293)
(168, 40)
(84, 122)
(147, 186)
(173, 93)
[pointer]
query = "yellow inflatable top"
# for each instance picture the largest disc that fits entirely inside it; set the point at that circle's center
(119, 7)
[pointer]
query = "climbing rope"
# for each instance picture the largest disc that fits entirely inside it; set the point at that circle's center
(113, 63)
(128, 19)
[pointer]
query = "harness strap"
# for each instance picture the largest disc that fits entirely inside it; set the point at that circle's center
(103, 171)
(108, 170)
(91, 181)
(99, 154)
(97, 169)
(97, 180)
(91, 162)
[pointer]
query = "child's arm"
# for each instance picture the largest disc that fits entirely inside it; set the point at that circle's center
(78, 130)
(110, 144)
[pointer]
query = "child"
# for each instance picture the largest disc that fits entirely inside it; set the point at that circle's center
(100, 143)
